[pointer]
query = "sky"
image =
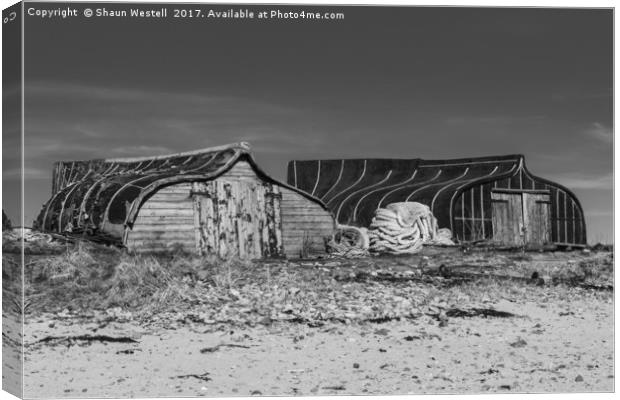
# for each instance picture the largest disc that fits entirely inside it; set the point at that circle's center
(395, 82)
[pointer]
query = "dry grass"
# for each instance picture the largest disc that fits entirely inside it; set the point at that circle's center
(98, 278)
(95, 277)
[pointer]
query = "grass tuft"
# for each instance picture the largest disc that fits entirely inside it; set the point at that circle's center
(87, 277)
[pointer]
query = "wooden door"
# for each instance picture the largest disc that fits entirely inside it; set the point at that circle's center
(521, 218)
(537, 218)
(237, 218)
(507, 217)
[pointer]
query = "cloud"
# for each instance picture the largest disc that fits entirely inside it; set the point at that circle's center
(68, 121)
(29, 173)
(600, 132)
(88, 132)
(109, 117)
(80, 122)
(492, 119)
(599, 213)
(100, 101)
(281, 141)
(581, 96)
(582, 181)
(141, 150)
(38, 148)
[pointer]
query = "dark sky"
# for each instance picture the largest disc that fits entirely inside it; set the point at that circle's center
(399, 82)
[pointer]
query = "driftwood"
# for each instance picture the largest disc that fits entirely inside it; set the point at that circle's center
(219, 346)
(202, 377)
(70, 340)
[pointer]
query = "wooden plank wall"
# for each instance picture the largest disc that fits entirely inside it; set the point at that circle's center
(258, 205)
(537, 218)
(238, 218)
(507, 218)
(305, 224)
(165, 220)
(567, 221)
(472, 211)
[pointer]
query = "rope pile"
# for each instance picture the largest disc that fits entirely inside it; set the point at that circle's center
(402, 228)
(349, 242)
(399, 228)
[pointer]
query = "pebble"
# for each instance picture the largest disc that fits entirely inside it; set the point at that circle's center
(519, 343)
(382, 332)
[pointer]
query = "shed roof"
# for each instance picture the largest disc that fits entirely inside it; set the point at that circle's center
(88, 195)
(354, 188)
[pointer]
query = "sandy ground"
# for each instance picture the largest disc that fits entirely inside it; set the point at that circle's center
(566, 346)
(12, 354)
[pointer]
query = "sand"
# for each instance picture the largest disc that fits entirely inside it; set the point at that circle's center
(560, 346)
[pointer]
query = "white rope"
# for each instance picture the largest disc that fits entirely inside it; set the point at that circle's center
(399, 228)
(402, 228)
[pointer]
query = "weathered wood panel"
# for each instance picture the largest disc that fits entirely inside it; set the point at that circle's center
(205, 214)
(166, 205)
(566, 224)
(174, 212)
(259, 222)
(507, 216)
(165, 221)
(293, 213)
(277, 218)
(242, 169)
(144, 227)
(237, 214)
(171, 197)
(305, 225)
(521, 218)
(171, 241)
(224, 201)
(537, 219)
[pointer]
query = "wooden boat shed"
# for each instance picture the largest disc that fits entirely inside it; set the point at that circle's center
(212, 201)
(490, 198)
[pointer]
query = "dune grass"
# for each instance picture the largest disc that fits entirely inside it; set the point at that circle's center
(89, 277)
(93, 277)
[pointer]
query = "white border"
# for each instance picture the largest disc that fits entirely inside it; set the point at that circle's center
(478, 3)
